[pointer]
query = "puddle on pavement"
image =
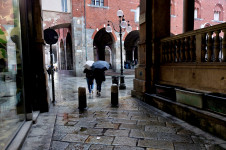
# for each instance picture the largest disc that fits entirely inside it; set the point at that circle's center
(83, 129)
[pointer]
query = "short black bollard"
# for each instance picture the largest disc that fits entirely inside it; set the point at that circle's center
(114, 95)
(82, 98)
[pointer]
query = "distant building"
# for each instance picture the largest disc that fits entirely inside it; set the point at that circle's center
(206, 13)
(72, 24)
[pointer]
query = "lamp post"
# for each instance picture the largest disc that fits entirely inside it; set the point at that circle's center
(122, 26)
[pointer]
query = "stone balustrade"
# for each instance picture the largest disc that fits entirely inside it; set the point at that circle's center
(202, 45)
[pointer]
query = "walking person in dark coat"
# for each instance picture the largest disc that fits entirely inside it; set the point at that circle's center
(89, 79)
(99, 76)
(49, 71)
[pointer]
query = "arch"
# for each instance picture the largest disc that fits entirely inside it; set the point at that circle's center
(131, 46)
(101, 40)
(69, 52)
(218, 12)
(197, 9)
(100, 27)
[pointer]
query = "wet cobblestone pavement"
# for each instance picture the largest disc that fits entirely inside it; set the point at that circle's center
(134, 125)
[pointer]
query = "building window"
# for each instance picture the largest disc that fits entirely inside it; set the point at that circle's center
(218, 13)
(64, 5)
(97, 2)
(216, 16)
(172, 8)
(137, 15)
(197, 12)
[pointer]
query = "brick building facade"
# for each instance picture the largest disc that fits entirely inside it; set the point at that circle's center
(91, 42)
(207, 13)
(94, 20)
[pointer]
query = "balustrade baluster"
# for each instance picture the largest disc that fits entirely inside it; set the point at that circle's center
(178, 50)
(224, 46)
(187, 49)
(182, 49)
(173, 51)
(166, 52)
(216, 46)
(203, 47)
(209, 47)
(170, 51)
(162, 53)
(192, 48)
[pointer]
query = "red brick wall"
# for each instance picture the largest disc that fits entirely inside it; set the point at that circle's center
(97, 17)
(207, 14)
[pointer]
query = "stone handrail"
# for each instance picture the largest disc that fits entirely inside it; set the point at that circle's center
(202, 45)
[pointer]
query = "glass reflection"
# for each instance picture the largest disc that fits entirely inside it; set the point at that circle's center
(11, 83)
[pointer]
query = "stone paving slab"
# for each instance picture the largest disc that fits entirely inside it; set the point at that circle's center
(186, 146)
(77, 146)
(75, 138)
(156, 144)
(106, 140)
(140, 134)
(151, 123)
(57, 145)
(159, 129)
(111, 132)
(131, 126)
(125, 141)
(127, 148)
(124, 121)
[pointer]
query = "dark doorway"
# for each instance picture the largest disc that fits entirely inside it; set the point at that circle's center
(69, 52)
(102, 40)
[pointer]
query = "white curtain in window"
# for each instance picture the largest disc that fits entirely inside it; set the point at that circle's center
(196, 13)
(217, 15)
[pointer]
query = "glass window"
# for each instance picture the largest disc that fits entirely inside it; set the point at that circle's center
(196, 13)
(93, 2)
(101, 2)
(65, 5)
(98, 2)
(12, 113)
(217, 15)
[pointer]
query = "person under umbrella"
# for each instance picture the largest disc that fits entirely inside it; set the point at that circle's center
(99, 67)
(89, 75)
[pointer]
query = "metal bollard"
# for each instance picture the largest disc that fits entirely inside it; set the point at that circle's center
(114, 95)
(82, 98)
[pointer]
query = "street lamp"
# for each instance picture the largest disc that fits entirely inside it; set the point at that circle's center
(122, 27)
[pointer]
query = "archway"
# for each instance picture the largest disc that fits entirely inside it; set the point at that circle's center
(104, 48)
(69, 52)
(131, 48)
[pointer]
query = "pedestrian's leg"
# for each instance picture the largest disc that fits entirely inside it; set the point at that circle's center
(100, 88)
(92, 85)
(88, 85)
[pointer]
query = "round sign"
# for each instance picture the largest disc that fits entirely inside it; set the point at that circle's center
(50, 36)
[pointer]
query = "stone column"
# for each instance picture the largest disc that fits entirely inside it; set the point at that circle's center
(154, 25)
(78, 44)
(188, 15)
